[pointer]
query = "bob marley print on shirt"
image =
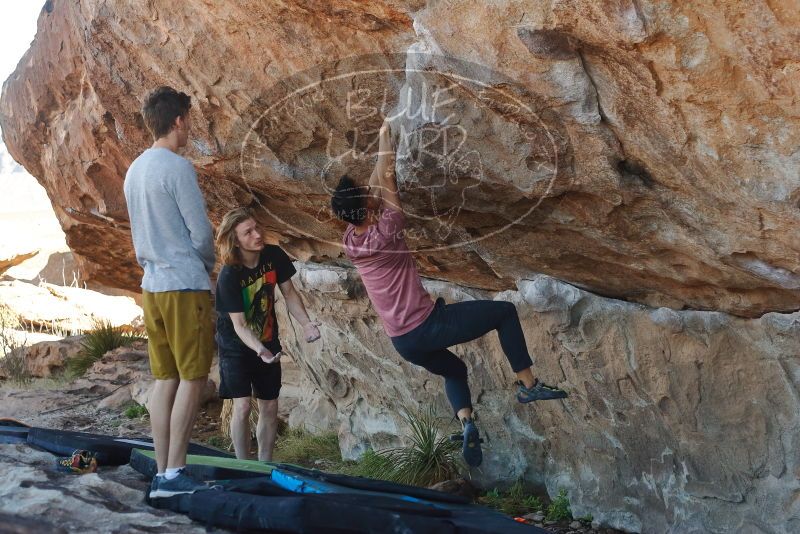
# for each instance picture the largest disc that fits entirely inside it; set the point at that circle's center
(251, 291)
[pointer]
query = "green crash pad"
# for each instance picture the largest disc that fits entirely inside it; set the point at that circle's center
(204, 467)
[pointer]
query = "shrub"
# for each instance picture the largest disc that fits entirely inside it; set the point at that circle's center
(135, 411)
(559, 509)
(294, 445)
(220, 442)
(430, 458)
(370, 465)
(101, 339)
(513, 502)
(12, 350)
(299, 446)
(15, 367)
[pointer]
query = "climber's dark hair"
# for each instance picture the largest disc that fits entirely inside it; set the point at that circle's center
(161, 107)
(349, 201)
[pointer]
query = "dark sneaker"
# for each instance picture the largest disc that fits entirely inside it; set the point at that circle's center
(539, 391)
(471, 448)
(153, 484)
(181, 484)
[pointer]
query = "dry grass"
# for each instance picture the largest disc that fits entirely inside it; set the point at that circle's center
(301, 447)
(294, 445)
(13, 363)
(227, 413)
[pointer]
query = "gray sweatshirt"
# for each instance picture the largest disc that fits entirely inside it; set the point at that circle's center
(171, 233)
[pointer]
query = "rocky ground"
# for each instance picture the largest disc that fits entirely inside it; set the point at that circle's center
(110, 500)
(36, 498)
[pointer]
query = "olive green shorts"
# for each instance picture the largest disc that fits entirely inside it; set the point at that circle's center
(180, 328)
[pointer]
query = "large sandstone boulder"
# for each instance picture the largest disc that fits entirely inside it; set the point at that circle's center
(124, 373)
(644, 150)
(13, 260)
(677, 421)
(65, 310)
(640, 150)
(46, 357)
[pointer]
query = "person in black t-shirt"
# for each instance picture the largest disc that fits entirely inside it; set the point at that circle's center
(247, 329)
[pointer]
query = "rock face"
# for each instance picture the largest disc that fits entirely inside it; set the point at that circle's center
(34, 498)
(637, 149)
(65, 310)
(43, 358)
(676, 422)
(7, 263)
(125, 372)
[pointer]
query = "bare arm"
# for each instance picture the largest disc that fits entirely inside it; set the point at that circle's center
(250, 338)
(298, 310)
(383, 176)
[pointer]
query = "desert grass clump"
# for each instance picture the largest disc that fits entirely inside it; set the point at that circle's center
(134, 410)
(102, 338)
(516, 501)
(429, 458)
(294, 445)
(559, 509)
(227, 414)
(301, 447)
(13, 362)
(220, 442)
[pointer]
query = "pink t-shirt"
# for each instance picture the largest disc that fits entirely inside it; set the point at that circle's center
(389, 273)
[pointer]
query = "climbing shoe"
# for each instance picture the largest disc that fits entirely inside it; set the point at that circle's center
(81, 462)
(539, 391)
(471, 443)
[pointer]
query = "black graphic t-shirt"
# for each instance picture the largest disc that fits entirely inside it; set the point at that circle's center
(252, 292)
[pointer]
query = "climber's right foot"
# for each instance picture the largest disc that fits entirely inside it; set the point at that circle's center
(471, 444)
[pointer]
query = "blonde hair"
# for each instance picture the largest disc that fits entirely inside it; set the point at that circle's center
(226, 240)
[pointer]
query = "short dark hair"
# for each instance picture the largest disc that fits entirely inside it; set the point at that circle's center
(161, 107)
(349, 201)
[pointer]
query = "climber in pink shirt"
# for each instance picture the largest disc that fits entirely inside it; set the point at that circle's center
(422, 330)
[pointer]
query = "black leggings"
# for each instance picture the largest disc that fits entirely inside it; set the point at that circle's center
(453, 324)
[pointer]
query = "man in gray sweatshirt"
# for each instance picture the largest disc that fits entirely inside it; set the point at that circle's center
(174, 245)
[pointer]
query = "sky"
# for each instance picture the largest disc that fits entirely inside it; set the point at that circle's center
(17, 28)
(19, 191)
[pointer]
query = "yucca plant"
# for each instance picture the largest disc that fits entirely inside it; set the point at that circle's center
(429, 458)
(96, 342)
